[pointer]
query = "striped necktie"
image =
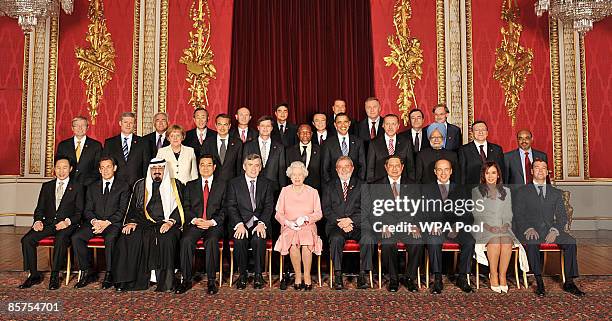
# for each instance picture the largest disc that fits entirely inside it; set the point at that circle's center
(345, 149)
(126, 151)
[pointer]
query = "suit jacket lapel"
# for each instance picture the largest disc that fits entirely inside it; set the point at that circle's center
(67, 191)
(258, 192)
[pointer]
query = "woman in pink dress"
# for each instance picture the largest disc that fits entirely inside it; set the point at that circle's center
(297, 210)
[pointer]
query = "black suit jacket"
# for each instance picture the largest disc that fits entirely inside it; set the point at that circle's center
(289, 138)
(251, 134)
(315, 137)
(530, 211)
(232, 164)
(192, 140)
(382, 190)
(110, 207)
(331, 129)
(194, 200)
(151, 139)
(238, 204)
(426, 162)
(471, 163)
(378, 151)
(422, 137)
(86, 170)
(275, 167)
(71, 205)
(333, 205)
(294, 153)
(363, 131)
(513, 171)
(456, 192)
(138, 158)
(331, 151)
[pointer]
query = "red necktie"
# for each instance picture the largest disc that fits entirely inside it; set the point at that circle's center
(373, 130)
(205, 199)
(528, 175)
(320, 139)
(483, 157)
(242, 135)
(391, 148)
(344, 190)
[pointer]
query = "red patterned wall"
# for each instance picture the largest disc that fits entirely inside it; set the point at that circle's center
(598, 49)
(535, 111)
(71, 99)
(179, 25)
(423, 27)
(11, 87)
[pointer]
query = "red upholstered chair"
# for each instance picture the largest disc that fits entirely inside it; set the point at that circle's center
(401, 247)
(200, 246)
(350, 246)
(49, 243)
(96, 242)
(267, 259)
(447, 246)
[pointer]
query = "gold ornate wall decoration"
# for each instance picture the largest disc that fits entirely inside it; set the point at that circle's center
(96, 62)
(406, 55)
(135, 57)
(51, 96)
(24, 102)
(555, 75)
(163, 55)
(469, 69)
(441, 51)
(585, 110)
(513, 61)
(198, 57)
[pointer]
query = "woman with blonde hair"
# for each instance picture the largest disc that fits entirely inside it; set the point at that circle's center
(180, 159)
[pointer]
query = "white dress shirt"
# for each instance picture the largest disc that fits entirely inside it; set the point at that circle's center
(219, 138)
(129, 141)
(308, 152)
(82, 140)
(209, 180)
(414, 133)
(348, 141)
(376, 123)
(484, 147)
(387, 138)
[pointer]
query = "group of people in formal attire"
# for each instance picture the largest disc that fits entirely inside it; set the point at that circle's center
(306, 187)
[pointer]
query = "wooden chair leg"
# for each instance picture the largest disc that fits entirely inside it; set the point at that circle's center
(266, 260)
(331, 272)
(220, 267)
(468, 279)
(379, 268)
(516, 275)
(270, 270)
(50, 255)
(419, 276)
(545, 259)
(95, 257)
(455, 257)
(371, 280)
(280, 272)
(427, 271)
(562, 259)
(477, 276)
(231, 276)
(525, 280)
(319, 270)
(68, 266)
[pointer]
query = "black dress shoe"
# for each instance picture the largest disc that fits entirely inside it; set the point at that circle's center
(393, 286)
(437, 285)
(31, 281)
(362, 282)
(463, 284)
(182, 287)
(338, 282)
(570, 287)
(307, 287)
(107, 283)
(242, 281)
(284, 283)
(298, 286)
(259, 281)
(54, 282)
(540, 291)
(212, 287)
(86, 278)
(409, 283)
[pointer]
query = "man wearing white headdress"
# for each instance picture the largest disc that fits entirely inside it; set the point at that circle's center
(151, 232)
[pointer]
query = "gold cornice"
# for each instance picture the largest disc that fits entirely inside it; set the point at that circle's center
(556, 98)
(163, 56)
(135, 56)
(51, 96)
(470, 67)
(585, 114)
(24, 102)
(440, 44)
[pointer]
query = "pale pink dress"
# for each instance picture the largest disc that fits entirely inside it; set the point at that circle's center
(292, 205)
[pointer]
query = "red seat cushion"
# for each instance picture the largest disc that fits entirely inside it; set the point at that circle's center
(200, 244)
(550, 247)
(450, 246)
(401, 246)
(47, 241)
(96, 241)
(351, 246)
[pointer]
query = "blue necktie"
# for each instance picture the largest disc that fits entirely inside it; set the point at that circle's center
(345, 150)
(125, 148)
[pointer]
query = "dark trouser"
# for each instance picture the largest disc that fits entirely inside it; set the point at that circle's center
(567, 244)
(390, 255)
(434, 247)
(82, 253)
(211, 237)
(241, 251)
(29, 243)
(337, 237)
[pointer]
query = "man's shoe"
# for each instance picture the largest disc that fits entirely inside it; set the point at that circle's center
(31, 281)
(570, 287)
(284, 283)
(86, 278)
(409, 283)
(259, 281)
(437, 285)
(338, 282)
(463, 284)
(393, 286)
(182, 287)
(540, 291)
(54, 282)
(242, 281)
(108, 281)
(212, 287)
(361, 281)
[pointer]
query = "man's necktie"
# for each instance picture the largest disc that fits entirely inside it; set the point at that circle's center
(344, 190)
(394, 190)
(345, 149)
(126, 151)
(222, 151)
(59, 192)
(417, 142)
(320, 139)
(159, 142)
(243, 135)
(264, 152)
(483, 157)
(252, 194)
(205, 192)
(106, 188)
(443, 191)
(541, 194)
(282, 130)
(304, 156)
(528, 175)
(201, 138)
(78, 150)
(373, 130)
(391, 148)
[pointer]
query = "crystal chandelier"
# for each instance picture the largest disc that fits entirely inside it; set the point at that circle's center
(579, 13)
(28, 12)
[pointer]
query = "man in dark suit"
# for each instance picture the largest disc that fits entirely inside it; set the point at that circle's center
(58, 212)
(249, 206)
(444, 190)
(426, 158)
(475, 153)
(372, 126)
(129, 150)
(107, 202)
(309, 154)
(284, 131)
(341, 204)
(243, 131)
(204, 218)
(271, 152)
(338, 107)
(226, 150)
(196, 137)
(322, 130)
(416, 133)
(157, 139)
(518, 162)
(84, 150)
(454, 139)
(390, 144)
(342, 144)
(541, 217)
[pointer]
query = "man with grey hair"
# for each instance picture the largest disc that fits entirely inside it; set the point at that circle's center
(83, 151)
(157, 139)
(129, 150)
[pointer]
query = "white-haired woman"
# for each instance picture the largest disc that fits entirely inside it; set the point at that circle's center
(297, 210)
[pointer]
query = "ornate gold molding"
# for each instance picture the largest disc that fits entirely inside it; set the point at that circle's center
(51, 96)
(149, 65)
(555, 66)
(37, 99)
(571, 104)
(163, 56)
(470, 66)
(585, 110)
(24, 103)
(455, 75)
(441, 51)
(135, 56)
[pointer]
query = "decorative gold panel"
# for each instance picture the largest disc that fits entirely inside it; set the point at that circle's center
(555, 65)
(51, 96)
(571, 106)
(441, 52)
(163, 56)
